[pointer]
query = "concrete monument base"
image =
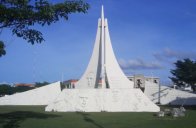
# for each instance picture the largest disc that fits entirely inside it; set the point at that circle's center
(102, 100)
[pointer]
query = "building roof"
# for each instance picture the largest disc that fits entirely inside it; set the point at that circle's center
(24, 85)
(70, 81)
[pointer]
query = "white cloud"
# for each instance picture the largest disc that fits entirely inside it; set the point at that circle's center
(138, 64)
(168, 54)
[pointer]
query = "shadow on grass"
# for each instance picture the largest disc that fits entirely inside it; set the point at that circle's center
(89, 120)
(13, 119)
(188, 107)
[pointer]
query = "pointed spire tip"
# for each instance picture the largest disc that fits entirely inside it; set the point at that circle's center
(102, 12)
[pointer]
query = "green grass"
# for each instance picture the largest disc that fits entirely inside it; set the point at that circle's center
(35, 117)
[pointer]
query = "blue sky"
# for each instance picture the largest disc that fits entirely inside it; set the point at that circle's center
(148, 36)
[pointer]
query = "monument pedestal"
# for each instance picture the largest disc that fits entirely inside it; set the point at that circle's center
(102, 100)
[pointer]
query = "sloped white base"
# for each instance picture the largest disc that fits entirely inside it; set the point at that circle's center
(97, 100)
(169, 95)
(39, 96)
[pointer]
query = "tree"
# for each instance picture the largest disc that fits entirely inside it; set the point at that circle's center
(40, 84)
(185, 73)
(21, 15)
(2, 49)
(5, 89)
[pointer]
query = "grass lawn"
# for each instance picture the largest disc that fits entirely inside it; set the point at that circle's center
(35, 117)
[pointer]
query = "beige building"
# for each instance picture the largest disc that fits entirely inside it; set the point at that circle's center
(139, 80)
(69, 84)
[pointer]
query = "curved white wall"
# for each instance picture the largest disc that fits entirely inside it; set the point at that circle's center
(39, 96)
(169, 95)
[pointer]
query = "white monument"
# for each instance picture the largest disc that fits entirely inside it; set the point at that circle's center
(103, 86)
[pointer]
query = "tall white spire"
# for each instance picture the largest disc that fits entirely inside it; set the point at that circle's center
(102, 13)
(103, 70)
(103, 73)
